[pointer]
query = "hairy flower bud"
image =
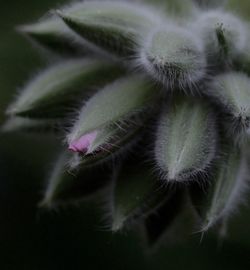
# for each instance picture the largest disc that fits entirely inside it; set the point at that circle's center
(113, 26)
(223, 34)
(173, 56)
(227, 189)
(58, 89)
(114, 103)
(185, 140)
(231, 91)
(135, 194)
(65, 186)
(53, 35)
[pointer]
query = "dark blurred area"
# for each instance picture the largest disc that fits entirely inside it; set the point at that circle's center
(72, 238)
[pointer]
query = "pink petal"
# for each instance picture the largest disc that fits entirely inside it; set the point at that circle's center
(83, 144)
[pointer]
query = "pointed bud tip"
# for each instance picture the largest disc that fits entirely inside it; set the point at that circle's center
(21, 28)
(15, 110)
(60, 14)
(207, 225)
(26, 29)
(117, 225)
(45, 204)
(11, 111)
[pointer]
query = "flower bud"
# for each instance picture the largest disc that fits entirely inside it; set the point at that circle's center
(57, 90)
(114, 103)
(65, 187)
(114, 26)
(135, 194)
(173, 56)
(224, 35)
(231, 91)
(53, 35)
(32, 125)
(185, 140)
(227, 189)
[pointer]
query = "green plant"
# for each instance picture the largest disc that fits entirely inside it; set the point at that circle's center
(153, 100)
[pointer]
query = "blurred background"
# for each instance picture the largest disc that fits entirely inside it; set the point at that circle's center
(72, 238)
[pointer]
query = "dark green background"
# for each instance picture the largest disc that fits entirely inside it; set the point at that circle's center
(72, 238)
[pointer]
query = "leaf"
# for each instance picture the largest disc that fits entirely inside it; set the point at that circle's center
(231, 91)
(135, 194)
(112, 25)
(227, 189)
(53, 35)
(185, 140)
(173, 56)
(114, 103)
(59, 89)
(66, 187)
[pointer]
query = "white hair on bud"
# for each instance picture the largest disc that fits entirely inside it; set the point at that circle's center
(169, 159)
(181, 63)
(233, 28)
(231, 91)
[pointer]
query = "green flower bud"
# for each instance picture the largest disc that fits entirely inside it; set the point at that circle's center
(65, 187)
(113, 26)
(109, 143)
(224, 35)
(231, 91)
(135, 194)
(174, 56)
(57, 90)
(32, 125)
(185, 140)
(53, 35)
(114, 103)
(227, 189)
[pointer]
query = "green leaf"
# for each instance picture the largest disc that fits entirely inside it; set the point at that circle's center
(115, 103)
(53, 35)
(174, 56)
(227, 189)
(135, 194)
(112, 25)
(231, 91)
(185, 140)
(67, 187)
(59, 89)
